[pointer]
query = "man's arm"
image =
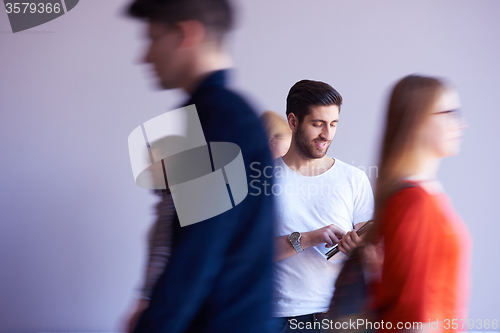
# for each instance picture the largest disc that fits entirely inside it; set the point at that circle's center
(329, 235)
(196, 260)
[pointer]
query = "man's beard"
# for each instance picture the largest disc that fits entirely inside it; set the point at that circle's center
(308, 148)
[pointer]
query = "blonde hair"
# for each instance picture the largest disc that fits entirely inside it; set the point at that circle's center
(275, 125)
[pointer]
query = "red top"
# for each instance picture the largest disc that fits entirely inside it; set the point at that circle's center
(426, 264)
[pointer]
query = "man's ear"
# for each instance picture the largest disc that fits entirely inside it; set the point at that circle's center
(293, 122)
(193, 32)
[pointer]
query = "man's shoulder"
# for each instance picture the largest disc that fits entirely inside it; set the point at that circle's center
(229, 109)
(278, 162)
(224, 100)
(349, 171)
(227, 116)
(279, 168)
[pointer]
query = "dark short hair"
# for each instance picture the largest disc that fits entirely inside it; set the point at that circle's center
(215, 15)
(307, 93)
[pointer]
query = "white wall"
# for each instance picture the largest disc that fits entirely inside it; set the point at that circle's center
(72, 220)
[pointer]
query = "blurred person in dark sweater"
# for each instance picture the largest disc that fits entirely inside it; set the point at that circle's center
(218, 275)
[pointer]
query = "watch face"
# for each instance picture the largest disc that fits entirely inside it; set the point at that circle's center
(294, 236)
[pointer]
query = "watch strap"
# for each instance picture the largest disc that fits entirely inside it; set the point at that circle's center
(297, 247)
(296, 243)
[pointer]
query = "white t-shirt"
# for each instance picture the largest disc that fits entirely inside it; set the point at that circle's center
(304, 282)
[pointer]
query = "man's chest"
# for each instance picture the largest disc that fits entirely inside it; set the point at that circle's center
(305, 206)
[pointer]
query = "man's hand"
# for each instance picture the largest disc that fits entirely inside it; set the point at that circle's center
(132, 318)
(350, 242)
(329, 235)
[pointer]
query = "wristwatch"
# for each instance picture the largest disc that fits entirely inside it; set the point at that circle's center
(294, 238)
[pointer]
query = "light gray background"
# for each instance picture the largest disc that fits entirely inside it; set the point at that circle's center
(73, 222)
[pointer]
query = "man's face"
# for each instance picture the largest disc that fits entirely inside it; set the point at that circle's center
(315, 133)
(165, 55)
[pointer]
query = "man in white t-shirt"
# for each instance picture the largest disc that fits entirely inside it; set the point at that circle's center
(319, 200)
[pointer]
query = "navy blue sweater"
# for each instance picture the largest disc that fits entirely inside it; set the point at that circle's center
(218, 278)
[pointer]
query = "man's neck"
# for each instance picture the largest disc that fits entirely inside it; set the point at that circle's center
(307, 166)
(204, 65)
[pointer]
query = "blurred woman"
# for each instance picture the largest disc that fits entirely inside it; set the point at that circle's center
(427, 247)
(278, 133)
